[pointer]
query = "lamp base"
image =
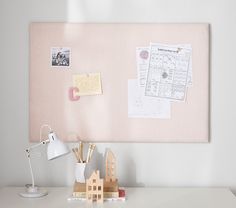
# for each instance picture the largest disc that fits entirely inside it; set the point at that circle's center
(33, 192)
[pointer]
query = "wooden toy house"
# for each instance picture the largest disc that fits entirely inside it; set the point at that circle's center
(94, 188)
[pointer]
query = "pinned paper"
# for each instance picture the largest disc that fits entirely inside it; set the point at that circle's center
(88, 84)
(168, 72)
(142, 59)
(140, 106)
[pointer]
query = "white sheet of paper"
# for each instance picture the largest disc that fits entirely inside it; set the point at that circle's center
(190, 66)
(140, 106)
(168, 72)
(142, 61)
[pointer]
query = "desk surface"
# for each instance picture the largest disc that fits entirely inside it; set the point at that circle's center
(136, 197)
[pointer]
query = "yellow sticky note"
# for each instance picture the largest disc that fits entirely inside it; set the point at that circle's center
(88, 84)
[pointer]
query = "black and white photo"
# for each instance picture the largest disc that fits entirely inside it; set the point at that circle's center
(60, 56)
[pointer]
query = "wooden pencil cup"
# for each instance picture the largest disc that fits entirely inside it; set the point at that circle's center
(79, 172)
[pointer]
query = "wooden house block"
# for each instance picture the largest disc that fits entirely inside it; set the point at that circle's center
(94, 188)
(111, 186)
(111, 194)
(81, 195)
(79, 187)
(110, 167)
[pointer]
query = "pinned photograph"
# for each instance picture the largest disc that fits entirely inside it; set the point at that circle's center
(60, 56)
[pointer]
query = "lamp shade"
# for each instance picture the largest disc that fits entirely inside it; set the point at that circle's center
(56, 148)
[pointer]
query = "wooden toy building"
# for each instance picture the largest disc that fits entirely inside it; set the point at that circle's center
(96, 189)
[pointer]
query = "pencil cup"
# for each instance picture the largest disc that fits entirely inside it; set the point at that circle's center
(79, 172)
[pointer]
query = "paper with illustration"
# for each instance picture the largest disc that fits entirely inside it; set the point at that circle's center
(140, 106)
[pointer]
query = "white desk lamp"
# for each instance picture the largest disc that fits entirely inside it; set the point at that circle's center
(55, 149)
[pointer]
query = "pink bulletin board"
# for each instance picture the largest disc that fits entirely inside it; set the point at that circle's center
(110, 50)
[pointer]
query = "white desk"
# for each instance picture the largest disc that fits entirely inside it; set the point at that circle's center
(136, 197)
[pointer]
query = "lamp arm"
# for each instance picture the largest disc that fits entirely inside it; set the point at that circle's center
(28, 155)
(36, 145)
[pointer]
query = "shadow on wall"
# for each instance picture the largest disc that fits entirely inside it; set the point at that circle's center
(97, 163)
(130, 172)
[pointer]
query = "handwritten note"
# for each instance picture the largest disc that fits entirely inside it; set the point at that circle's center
(88, 84)
(140, 106)
(168, 72)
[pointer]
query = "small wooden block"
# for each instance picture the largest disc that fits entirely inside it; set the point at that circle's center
(110, 186)
(111, 194)
(79, 194)
(79, 187)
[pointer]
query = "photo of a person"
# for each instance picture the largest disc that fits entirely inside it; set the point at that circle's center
(60, 56)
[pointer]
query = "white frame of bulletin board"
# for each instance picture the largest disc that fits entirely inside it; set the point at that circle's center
(83, 81)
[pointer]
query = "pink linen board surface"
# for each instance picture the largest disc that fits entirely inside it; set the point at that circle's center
(110, 50)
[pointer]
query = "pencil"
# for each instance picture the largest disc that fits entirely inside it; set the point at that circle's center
(91, 152)
(81, 151)
(75, 153)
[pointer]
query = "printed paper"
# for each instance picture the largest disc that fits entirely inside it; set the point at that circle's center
(168, 72)
(142, 59)
(190, 67)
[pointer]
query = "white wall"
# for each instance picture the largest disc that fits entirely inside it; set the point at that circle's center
(212, 164)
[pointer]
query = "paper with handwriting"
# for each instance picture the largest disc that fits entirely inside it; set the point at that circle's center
(87, 84)
(140, 106)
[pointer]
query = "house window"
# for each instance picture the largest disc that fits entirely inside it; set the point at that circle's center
(94, 188)
(94, 180)
(99, 188)
(94, 197)
(90, 188)
(99, 196)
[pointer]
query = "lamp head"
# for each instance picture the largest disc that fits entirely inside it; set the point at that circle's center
(56, 148)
